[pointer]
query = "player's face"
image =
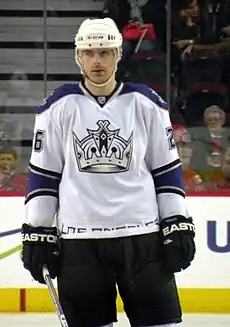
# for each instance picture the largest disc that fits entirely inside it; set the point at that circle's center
(7, 162)
(185, 154)
(98, 64)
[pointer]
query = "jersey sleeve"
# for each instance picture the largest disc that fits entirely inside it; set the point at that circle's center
(164, 164)
(45, 169)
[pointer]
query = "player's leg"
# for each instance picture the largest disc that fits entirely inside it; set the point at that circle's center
(86, 288)
(147, 289)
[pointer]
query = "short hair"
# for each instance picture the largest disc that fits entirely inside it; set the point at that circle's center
(9, 150)
(214, 109)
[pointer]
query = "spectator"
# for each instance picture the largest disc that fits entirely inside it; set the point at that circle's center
(185, 26)
(10, 180)
(214, 119)
(192, 180)
(210, 141)
(219, 178)
(192, 30)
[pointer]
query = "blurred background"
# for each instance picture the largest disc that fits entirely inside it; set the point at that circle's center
(180, 48)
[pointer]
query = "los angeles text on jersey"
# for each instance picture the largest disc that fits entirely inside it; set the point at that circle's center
(72, 232)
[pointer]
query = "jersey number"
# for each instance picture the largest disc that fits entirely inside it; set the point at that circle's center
(169, 133)
(38, 140)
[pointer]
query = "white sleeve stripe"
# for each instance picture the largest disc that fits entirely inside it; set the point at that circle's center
(168, 167)
(44, 172)
(167, 170)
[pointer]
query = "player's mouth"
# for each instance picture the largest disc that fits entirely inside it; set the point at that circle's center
(97, 70)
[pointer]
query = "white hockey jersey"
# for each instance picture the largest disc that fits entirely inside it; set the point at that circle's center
(107, 170)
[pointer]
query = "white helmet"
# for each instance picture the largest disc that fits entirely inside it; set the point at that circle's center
(98, 33)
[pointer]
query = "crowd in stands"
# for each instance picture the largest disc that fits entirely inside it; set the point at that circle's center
(199, 78)
(199, 107)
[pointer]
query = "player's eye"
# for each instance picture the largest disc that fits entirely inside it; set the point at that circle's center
(105, 53)
(88, 53)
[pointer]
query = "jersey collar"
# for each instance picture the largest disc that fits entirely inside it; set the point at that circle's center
(101, 100)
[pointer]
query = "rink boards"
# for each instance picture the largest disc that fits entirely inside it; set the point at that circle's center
(203, 287)
(38, 300)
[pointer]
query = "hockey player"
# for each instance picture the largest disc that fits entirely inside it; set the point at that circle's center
(105, 163)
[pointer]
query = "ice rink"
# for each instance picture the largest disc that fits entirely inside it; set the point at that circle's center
(50, 320)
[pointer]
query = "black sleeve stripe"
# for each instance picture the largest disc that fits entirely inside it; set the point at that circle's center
(42, 190)
(39, 193)
(170, 190)
(44, 172)
(167, 187)
(166, 168)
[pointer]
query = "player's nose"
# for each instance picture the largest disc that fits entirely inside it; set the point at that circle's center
(96, 57)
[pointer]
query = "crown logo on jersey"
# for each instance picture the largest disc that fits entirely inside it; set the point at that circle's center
(103, 150)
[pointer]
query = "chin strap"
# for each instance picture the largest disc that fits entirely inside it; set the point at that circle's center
(101, 84)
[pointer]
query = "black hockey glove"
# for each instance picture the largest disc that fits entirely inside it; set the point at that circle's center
(177, 235)
(39, 247)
